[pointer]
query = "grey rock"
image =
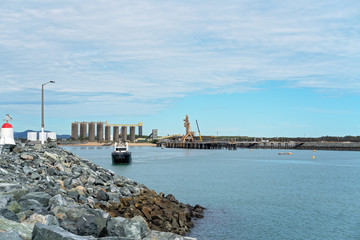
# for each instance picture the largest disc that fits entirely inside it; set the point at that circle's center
(4, 200)
(135, 227)
(156, 235)
(74, 213)
(125, 191)
(27, 170)
(27, 157)
(115, 238)
(14, 207)
(102, 196)
(44, 232)
(51, 171)
(5, 187)
(24, 215)
(93, 223)
(31, 204)
(57, 200)
(3, 171)
(38, 147)
(23, 229)
(6, 213)
(35, 175)
(52, 157)
(18, 193)
(18, 149)
(41, 197)
(51, 145)
(44, 219)
(11, 235)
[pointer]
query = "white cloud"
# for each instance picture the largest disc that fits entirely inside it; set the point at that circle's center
(157, 50)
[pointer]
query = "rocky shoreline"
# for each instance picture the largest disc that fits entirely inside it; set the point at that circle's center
(47, 192)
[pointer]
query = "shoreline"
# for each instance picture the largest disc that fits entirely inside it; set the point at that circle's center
(97, 144)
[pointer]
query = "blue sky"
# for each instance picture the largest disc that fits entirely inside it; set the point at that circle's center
(245, 67)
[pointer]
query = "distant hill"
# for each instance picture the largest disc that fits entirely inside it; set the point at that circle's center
(23, 135)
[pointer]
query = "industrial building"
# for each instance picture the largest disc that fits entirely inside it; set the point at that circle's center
(33, 136)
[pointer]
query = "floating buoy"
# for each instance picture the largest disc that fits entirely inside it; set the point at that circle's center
(313, 157)
(7, 133)
(314, 150)
(251, 150)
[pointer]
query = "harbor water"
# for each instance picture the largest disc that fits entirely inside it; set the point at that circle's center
(255, 194)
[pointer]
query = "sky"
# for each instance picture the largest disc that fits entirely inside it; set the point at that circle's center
(260, 68)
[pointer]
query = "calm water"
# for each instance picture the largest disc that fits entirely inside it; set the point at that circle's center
(252, 194)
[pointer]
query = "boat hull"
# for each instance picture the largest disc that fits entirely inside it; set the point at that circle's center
(121, 157)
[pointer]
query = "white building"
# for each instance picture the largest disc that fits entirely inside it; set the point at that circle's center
(32, 136)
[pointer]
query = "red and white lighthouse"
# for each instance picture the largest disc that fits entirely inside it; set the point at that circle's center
(7, 132)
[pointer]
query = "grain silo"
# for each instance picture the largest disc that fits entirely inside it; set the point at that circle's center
(100, 131)
(132, 134)
(107, 133)
(124, 133)
(75, 130)
(91, 131)
(83, 130)
(116, 133)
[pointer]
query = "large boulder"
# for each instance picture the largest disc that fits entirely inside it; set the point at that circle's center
(57, 200)
(31, 204)
(45, 232)
(6, 213)
(93, 222)
(5, 187)
(41, 197)
(11, 235)
(4, 200)
(156, 235)
(23, 229)
(52, 157)
(44, 219)
(135, 227)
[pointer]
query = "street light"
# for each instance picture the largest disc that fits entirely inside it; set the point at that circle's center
(42, 111)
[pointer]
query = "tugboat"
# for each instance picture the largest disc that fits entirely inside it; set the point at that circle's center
(121, 154)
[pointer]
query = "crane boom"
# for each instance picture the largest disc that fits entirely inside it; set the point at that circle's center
(198, 130)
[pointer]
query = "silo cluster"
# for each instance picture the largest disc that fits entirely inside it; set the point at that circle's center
(101, 133)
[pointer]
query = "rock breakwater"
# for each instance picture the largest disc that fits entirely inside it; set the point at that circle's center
(47, 192)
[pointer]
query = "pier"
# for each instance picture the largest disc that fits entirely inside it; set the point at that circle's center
(335, 146)
(198, 145)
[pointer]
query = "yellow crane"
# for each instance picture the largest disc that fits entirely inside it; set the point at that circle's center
(198, 130)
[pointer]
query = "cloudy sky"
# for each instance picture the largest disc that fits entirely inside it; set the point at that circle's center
(243, 67)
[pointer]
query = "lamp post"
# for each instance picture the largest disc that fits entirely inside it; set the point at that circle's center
(42, 111)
